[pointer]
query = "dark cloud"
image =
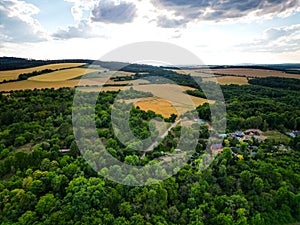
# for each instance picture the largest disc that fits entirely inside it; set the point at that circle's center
(16, 23)
(191, 3)
(165, 22)
(216, 10)
(81, 30)
(109, 12)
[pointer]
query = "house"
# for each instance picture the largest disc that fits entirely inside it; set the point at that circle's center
(216, 148)
(260, 138)
(294, 134)
(283, 148)
(238, 134)
(222, 135)
(253, 132)
(64, 150)
(200, 121)
(247, 138)
(254, 147)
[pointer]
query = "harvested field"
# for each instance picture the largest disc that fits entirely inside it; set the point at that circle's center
(62, 75)
(196, 73)
(122, 73)
(32, 84)
(224, 80)
(173, 94)
(168, 99)
(165, 107)
(158, 105)
(254, 73)
(13, 74)
(247, 72)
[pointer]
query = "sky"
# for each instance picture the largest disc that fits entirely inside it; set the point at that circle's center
(217, 31)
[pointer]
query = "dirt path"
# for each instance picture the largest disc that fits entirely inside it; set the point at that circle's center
(165, 134)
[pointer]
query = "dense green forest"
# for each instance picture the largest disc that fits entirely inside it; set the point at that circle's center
(41, 184)
(277, 82)
(12, 63)
(272, 103)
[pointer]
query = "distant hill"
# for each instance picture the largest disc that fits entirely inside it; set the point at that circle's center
(12, 63)
(289, 67)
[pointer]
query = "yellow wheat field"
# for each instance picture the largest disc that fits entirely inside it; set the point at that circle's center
(165, 107)
(13, 74)
(171, 94)
(224, 80)
(168, 98)
(32, 84)
(158, 105)
(62, 75)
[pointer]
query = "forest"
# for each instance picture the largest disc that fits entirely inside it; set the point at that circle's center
(42, 184)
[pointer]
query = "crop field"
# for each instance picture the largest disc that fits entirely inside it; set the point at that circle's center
(248, 72)
(32, 84)
(235, 75)
(13, 74)
(196, 73)
(168, 98)
(239, 72)
(224, 80)
(122, 73)
(158, 105)
(165, 107)
(62, 75)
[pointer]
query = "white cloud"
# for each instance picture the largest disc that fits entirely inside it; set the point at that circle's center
(80, 6)
(276, 40)
(17, 23)
(83, 29)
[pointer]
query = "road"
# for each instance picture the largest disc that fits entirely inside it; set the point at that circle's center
(165, 134)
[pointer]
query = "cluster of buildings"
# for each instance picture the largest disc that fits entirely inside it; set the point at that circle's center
(248, 135)
(294, 134)
(245, 136)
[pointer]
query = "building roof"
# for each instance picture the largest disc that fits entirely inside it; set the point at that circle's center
(216, 147)
(64, 150)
